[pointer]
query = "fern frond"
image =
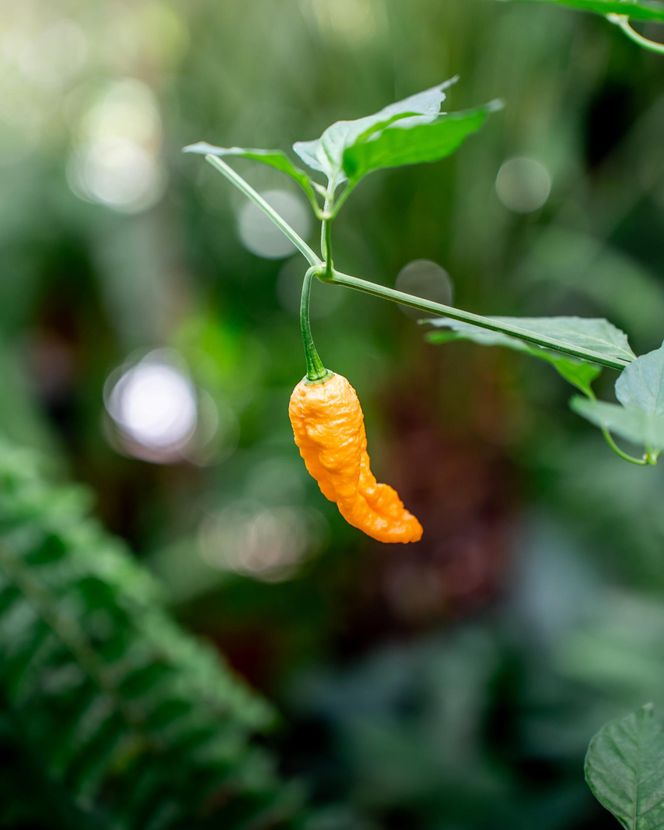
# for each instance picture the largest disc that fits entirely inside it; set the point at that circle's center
(131, 723)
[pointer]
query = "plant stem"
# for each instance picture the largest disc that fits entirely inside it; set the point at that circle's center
(258, 200)
(468, 317)
(326, 238)
(610, 440)
(641, 462)
(338, 278)
(623, 23)
(329, 264)
(315, 369)
(348, 189)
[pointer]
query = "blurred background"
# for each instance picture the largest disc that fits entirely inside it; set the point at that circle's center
(149, 343)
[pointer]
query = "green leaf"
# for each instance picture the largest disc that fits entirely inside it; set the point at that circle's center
(272, 158)
(576, 373)
(625, 770)
(639, 416)
(597, 335)
(129, 721)
(636, 425)
(639, 10)
(413, 141)
(326, 154)
(641, 384)
(581, 375)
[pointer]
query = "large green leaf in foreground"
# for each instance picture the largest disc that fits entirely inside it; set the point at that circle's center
(625, 770)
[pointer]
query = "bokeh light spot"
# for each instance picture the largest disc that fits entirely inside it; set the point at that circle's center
(348, 20)
(154, 405)
(523, 185)
(426, 279)
(55, 55)
(116, 160)
(118, 173)
(260, 236)
(266, 543)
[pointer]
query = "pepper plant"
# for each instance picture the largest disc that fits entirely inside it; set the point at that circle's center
(625, 760)
(413, 131)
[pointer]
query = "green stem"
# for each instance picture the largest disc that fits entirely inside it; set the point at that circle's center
(329, 264)
(237, 180)
(348, 189)
(623, 23)
(338, 278)
(642, 462)
(316, 371)
(468, 317)
(610, 440)
(326, 230)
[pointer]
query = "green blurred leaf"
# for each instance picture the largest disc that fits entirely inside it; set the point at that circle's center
(326, 154)
(641, 10)
(596, 334)
(625, 770)
(641, 384)
(634, 424)
(272, 158)
(413, 141)
(125, 714)
(640, 415)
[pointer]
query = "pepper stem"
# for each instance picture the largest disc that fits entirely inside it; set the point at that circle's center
(316, 371)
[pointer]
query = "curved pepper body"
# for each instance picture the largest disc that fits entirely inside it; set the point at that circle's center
(328, 425)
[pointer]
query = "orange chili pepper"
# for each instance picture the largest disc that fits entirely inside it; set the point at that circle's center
(329, 430)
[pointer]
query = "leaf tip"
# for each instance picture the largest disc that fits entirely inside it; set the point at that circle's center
(577, 403)
(449, 82)
(197, 147)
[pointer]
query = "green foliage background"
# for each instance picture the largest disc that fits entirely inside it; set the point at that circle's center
(454, 684)
(119, 718)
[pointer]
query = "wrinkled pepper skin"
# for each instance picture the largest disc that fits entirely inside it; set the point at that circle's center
(328, 425)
